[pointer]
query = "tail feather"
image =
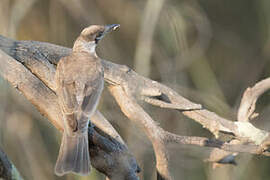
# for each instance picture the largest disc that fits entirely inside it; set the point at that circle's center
(73, 156)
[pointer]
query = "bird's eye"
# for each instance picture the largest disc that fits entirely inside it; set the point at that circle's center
(99, 34)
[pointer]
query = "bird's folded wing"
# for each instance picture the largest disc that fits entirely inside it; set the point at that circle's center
(78, 100)
(69, 104)
(66, 92)
(92, 92)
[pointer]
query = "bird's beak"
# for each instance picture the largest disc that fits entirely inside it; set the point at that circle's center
(111, 27)
(107, 29)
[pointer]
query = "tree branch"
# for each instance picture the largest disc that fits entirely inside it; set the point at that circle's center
(128, 87)
(108, 153)
(249, 99)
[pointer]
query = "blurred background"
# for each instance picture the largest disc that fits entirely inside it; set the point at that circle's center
(208, 51)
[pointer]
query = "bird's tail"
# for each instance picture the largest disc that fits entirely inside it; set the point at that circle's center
(73, 155)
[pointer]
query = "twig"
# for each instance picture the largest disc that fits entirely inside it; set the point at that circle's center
(245, 113)
(249, 99)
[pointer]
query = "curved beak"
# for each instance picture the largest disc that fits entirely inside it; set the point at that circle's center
(111, 27)
(107, 29)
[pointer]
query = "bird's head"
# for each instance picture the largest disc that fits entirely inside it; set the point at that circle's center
(90, 36)
(95, 33)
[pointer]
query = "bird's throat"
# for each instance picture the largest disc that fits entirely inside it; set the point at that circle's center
(82, 46)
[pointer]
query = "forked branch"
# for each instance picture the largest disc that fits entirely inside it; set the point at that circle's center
(38, 61)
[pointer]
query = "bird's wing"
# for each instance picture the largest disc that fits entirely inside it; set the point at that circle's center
(78, 97)
(91, 94)
(66, 92)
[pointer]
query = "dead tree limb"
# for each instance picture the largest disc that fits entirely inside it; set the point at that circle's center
(245, 114)
(249, 99)
(108, 153)
(39, 60)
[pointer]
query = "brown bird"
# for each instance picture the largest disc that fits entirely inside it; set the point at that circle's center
(79, 83)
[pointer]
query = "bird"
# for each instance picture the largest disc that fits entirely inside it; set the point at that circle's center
(79, 79)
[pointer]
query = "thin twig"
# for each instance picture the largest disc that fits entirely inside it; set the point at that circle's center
(249, 99)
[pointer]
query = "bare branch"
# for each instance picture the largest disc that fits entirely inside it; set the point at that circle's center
(160, 138)
(205, 142)
(249, 99)
(108, 153)
(245, 113)
(135, 113)
(164, 97)
(127, 87)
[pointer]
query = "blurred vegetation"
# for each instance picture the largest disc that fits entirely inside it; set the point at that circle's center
(208, 51)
